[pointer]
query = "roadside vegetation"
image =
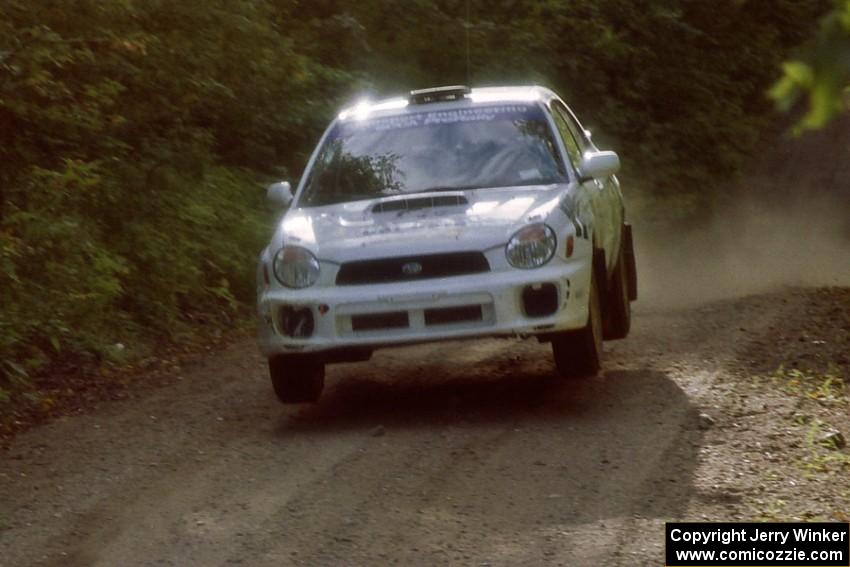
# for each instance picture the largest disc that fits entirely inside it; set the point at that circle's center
(804, 443)
(136, 135)
(820, 73)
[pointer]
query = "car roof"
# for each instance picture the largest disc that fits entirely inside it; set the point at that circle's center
(483, 95)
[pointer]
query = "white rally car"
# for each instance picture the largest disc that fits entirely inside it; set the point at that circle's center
(453, 213)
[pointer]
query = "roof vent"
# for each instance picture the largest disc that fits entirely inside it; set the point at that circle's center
(439, 94)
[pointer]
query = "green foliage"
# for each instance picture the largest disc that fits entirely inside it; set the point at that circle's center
(822, 74)
(825, 456)
(127, 210)
(827, 388)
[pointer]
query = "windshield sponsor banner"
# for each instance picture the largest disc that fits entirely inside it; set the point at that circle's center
(769, 544)
(453, 116)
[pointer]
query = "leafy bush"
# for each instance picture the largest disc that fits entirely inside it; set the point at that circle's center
(821, 73)
(128, 209)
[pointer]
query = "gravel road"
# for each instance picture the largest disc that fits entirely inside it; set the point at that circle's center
(460, 453)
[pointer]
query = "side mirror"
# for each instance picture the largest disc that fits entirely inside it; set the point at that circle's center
(596, 165)
(279, 194)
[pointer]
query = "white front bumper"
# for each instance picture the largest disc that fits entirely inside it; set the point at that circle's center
(499, 295)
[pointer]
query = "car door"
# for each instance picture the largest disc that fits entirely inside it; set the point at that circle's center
(601, 194)
(611, 190)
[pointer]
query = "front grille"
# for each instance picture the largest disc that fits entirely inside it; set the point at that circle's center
(411, 268)
(378, 321)
(448, 315)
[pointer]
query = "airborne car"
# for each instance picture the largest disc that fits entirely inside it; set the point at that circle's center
(453, 213)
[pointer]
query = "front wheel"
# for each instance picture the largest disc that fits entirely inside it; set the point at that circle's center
(578, 354)
(618, 310)
(297, 378)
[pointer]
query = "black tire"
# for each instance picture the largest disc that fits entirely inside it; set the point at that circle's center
(618, 309)
(578, 354)
(297, 379)
(631, 263)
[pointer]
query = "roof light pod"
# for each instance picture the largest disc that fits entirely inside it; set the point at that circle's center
(439, 94)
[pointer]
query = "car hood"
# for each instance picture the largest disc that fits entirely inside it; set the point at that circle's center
(460, 220)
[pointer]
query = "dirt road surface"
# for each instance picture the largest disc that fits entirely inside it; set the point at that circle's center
(460, 453)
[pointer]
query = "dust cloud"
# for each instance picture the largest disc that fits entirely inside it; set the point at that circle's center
(752, 249)
(786, 222)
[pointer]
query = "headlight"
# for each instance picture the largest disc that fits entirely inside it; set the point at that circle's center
(531, 247)
(296, 267)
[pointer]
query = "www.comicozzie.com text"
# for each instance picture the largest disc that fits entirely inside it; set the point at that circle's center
(727, 536)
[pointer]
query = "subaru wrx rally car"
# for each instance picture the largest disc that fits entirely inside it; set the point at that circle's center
(453, 213)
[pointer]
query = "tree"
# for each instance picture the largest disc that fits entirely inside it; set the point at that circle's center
(821, 74)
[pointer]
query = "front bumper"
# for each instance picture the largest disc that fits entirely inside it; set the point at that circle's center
(393, 314)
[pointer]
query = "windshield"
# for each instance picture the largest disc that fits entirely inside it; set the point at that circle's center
(494, 146)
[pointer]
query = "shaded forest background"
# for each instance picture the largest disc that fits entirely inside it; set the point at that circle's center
(136, 135)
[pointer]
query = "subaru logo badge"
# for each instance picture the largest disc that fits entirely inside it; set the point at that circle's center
(411, 269)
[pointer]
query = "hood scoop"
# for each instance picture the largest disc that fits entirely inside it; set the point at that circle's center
(418, 203)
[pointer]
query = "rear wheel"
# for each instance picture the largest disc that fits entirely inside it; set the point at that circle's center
(578, 354)
(297, 379)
